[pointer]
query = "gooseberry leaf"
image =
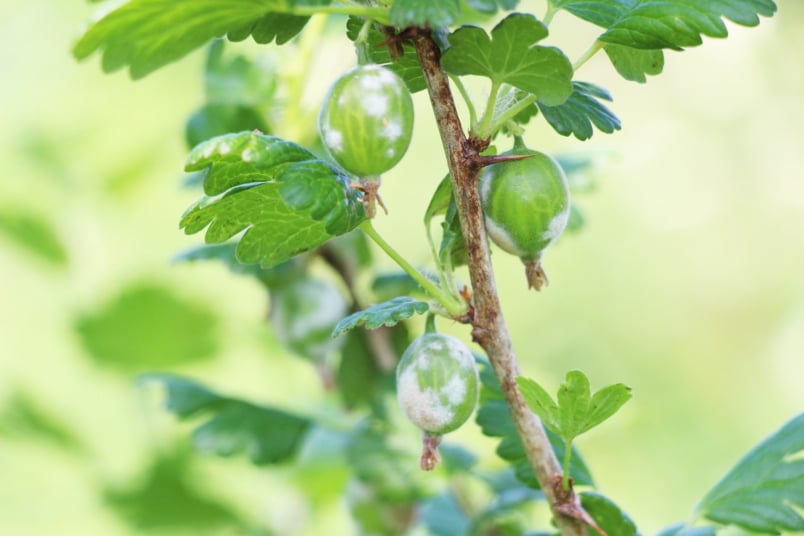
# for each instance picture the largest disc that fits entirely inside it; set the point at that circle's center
(577, 410)
(237, 79)
(166, 497)
(266, 435)
(681, 529)
(673, 24)
(494, 419)
(285, 199)
(634, 63)
(34, 234)
(148, 34)
(430, 13)
(580, 111)
(510, 56)
(406, 65)
(491, 6)
(764, 492)
(386, 313)
(147, 325)
(607, 514)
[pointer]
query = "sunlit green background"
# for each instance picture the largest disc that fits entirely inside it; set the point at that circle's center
(687, 283)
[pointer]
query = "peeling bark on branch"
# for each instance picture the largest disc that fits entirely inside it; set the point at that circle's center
(489, 325)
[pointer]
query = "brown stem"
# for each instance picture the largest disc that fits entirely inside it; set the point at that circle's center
(489, 325)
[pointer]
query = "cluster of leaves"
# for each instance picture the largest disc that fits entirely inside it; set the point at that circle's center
(271, 208)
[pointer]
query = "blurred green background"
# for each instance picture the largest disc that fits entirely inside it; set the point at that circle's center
(687, 283)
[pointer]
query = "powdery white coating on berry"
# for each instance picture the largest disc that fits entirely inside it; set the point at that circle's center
(502, 238)
(455, 390)
(557, 225)
(247, 155)
(423, 407)
(375, 104)
(392, 131)
(333, 138)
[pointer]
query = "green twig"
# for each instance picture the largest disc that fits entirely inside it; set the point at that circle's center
(511, 112)
(550, 13)
(586, 56)
(567, 457)
(450, 304)
(484, 128)
(465, 96)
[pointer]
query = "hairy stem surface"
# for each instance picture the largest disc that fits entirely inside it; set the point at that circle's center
(488, 322)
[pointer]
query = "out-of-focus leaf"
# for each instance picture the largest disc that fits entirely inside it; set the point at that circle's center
(34, 234)
(22, 416)
(491, 6)
(304, 313)
(392, 473)
(431, 13)
(238, 80)
(394, 284)
(218, 119)
(386, 313)
(285, 199)
(266, 435)
(443, 516)
(681, 529)
(167, 497)
(148, 326)
(607, 514)
(764, 492)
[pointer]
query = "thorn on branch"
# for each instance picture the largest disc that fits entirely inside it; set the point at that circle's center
(483, 161)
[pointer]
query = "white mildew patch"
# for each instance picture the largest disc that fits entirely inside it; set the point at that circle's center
(557, 225)
(372, 79)
(390, 152)
(455, 390)
(392, 131)
(387, 78)
(333, 138)
(208, 150)
(459, 351)
(422, 407)
(247, 155)
(224, 148)
(502, 237)
(376, 104)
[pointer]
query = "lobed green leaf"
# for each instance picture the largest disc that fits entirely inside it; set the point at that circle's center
(580, 111)
(577, 410)
(267, 435)
(634, 63)
(285, 199)
(673, 24)
(386, 313)
(764, 492)
(148, 34)
(429, 13)
(510, 56)
(495, 420)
